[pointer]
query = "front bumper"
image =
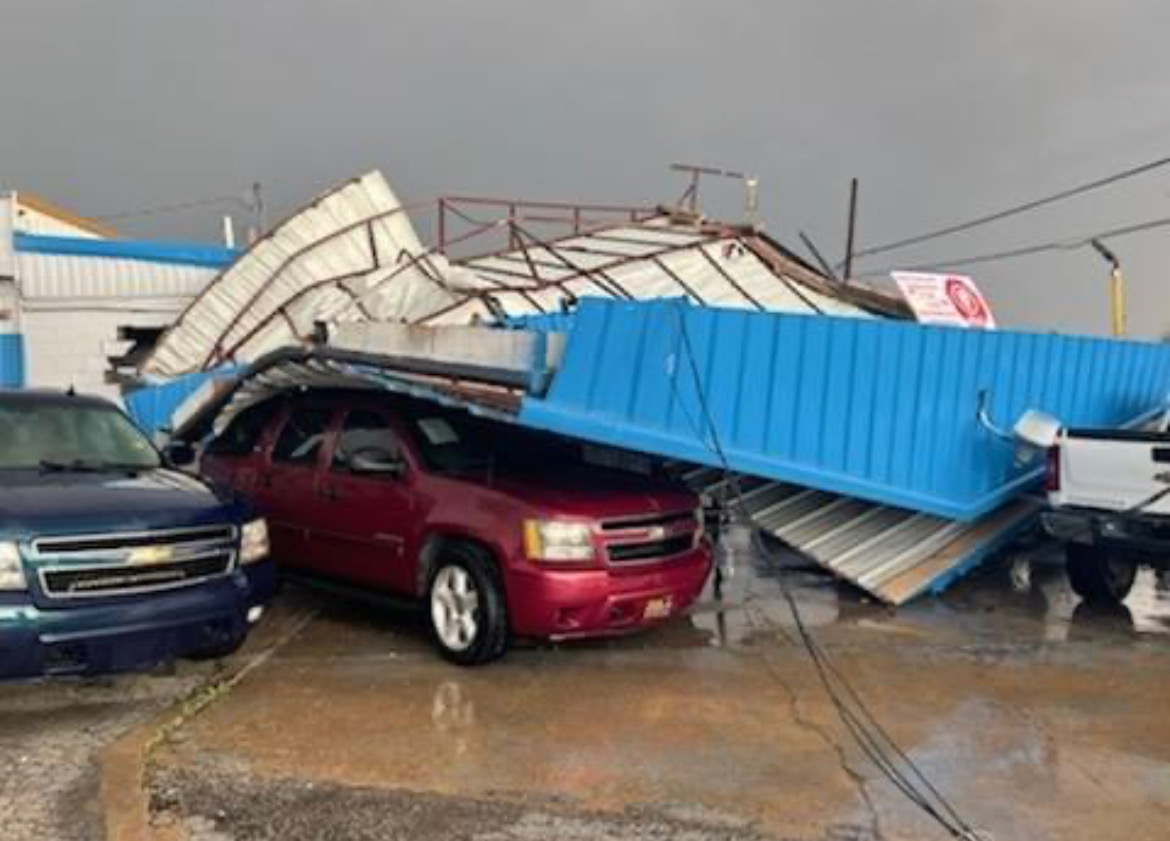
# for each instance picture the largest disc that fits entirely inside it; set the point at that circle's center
(1143, 538)
(132, 632)
(569, 604)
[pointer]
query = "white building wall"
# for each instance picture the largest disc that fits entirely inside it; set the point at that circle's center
(70, 347)
(72, 308)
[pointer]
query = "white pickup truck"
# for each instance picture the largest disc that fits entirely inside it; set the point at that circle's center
(1109, 493)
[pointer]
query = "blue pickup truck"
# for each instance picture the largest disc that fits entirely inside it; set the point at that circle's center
(110, 559)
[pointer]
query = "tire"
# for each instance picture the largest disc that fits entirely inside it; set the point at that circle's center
(466, 611)
(1097, 575)
(218, 649)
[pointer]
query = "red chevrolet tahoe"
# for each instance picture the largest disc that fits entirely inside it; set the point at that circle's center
(499, 530)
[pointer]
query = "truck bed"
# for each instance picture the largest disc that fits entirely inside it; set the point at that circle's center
(1114, 470)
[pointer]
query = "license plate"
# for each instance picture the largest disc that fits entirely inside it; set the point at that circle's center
(658, 608)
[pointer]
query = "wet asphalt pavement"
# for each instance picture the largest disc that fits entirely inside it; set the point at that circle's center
(1039, 717)
(51, 735)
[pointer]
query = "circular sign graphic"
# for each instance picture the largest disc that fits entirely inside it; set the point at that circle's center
(968, 303)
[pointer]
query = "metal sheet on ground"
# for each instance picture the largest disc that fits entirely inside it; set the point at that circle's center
(893, 554)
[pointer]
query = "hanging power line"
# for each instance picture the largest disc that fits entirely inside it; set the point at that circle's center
(867, 732)
(1028, 250)
(1014, 210)
(159, 210)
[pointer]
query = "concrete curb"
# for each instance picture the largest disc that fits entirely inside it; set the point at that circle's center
(124, 800)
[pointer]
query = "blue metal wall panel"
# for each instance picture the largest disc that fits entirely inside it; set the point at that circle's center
(11, 360)
(151, 407)
(882, 410)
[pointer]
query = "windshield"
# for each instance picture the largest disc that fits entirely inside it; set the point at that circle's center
(58, 436)
(453, 442)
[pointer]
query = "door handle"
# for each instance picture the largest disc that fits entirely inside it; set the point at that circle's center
(265, 480)
(1161, 455)
(330, 492)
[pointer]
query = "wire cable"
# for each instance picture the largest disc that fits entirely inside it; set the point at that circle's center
(173, 208)
(1071, 244)
(1015, 210)
(872, 739)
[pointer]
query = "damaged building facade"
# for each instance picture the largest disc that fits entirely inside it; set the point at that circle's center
(78, 304)
(864, 440)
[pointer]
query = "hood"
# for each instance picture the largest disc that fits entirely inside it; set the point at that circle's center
(591, 492)
(76, 503)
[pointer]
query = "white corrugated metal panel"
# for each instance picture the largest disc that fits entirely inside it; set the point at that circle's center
(352, 254)
(72, 276)
(891, 553)
(652, 260)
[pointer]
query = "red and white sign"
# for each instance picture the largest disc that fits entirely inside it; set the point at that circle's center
(949, 299)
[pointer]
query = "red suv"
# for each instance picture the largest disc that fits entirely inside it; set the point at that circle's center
(499, 529)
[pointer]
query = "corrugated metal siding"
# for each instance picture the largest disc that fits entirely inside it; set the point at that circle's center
(72, 276)
(152, 407)
(881, 410)
(11, 360)
(891, 553)
(350, 255)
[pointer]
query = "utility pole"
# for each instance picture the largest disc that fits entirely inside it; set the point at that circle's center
(852, 229)
(258, 207)
(1116, 288)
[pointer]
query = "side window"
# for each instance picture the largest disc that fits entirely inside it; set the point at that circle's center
(364, 430)
(243, 433)
(301, 436)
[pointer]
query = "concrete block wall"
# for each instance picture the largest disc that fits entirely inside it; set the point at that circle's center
(66, 348)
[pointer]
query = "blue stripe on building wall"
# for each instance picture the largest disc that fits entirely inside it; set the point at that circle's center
(178, 253)
(11, 360)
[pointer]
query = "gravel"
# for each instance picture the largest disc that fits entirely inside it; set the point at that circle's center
(51, 735)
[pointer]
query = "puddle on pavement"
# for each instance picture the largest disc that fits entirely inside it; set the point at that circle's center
(1018, 598)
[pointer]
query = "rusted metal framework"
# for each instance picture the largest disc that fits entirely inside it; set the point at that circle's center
(576, 249)
(353, 254)
(457, 216)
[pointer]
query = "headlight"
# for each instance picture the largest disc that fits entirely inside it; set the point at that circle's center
(11, 568)
(558, 540)
(254, 542)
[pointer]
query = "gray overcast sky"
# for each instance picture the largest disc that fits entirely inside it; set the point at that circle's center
(942, 109)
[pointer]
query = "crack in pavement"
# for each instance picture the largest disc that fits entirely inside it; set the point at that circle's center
(858, 779)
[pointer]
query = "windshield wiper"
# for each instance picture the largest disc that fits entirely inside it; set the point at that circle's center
(78, 465)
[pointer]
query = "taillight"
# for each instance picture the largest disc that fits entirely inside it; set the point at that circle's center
(1052, 477)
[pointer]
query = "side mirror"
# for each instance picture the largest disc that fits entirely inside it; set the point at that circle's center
(376, 461)
(1036, 429)
(180, 454)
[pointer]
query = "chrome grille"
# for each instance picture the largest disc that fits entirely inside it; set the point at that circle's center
(103, 565)
(649, 538)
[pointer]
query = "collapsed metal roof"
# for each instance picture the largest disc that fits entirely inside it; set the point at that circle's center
(350, 255)
(353, 255)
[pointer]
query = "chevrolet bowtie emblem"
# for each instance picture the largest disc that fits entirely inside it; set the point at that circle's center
(149, 555)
